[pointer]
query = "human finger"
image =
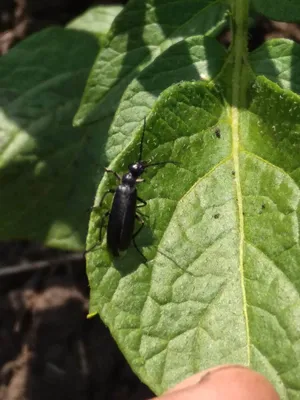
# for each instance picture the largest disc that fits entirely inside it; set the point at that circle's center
(233, 382)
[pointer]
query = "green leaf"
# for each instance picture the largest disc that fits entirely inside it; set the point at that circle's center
(142, 31)
(188, 60)
(221, 283)
(278, 60)
(280, 10)
(96, 20)
(47, 173)
(221, 241)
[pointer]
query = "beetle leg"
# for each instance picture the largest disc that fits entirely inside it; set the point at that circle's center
(100, 235)
(103, 197)
(136, 233)
(144, 203)
(115, 174)
(142, 214)
(141, 227)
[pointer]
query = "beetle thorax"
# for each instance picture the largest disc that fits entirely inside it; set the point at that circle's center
(129, 179)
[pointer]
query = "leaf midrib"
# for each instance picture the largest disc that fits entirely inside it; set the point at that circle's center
(239, 51)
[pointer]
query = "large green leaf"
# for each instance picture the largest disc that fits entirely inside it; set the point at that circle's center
(222, 242)
(48, 174)
(221, 281)
(141, 32)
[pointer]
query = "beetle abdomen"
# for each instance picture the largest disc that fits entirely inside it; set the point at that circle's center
(121, 219)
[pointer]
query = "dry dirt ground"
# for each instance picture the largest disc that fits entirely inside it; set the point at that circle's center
(48, 349)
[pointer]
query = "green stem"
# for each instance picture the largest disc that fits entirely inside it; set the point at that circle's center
(239, 50)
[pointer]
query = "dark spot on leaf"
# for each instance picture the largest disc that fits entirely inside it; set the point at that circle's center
(233, 173)
(263, 206)
(218, 133)
(216, 216)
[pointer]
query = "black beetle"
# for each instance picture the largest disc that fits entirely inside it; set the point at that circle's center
(123, 213)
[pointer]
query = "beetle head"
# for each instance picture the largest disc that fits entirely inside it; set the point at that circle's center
(137, 168)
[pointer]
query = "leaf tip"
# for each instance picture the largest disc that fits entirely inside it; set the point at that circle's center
(77, 120)
(91, 315)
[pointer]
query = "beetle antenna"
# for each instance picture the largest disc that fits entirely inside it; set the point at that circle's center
(162, 163)
(142, 140)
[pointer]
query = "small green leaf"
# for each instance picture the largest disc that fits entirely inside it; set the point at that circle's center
(142, 31)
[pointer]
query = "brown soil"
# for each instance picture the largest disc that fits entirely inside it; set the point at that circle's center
(48, 349)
